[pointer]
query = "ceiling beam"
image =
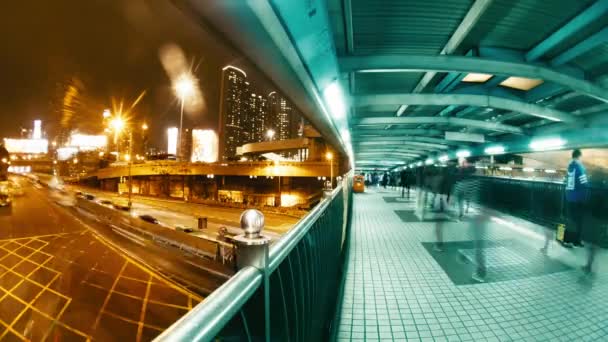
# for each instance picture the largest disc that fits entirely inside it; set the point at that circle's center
(417, 63)
(393, 132)
(581, 48)
(466, 25)
(591, 14)
(387, 153)
(418, 120)
(409, 139)
(466, 100)
(403, 142)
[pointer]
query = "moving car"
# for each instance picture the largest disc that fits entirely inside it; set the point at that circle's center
(105, 202)
(149, 219)
(121, 203)
(5, 195)
(185, 229)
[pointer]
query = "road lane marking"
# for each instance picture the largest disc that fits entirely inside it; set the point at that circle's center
(105, 302)
(138, 263)
(129, 236)
(109, 313)
(142, 316)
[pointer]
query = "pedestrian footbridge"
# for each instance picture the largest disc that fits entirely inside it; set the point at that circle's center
(508, 88)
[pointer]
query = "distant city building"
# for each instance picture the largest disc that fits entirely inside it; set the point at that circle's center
(284, 118)
(204, 146)
(246, 115)
(257, 118)
(233, 110)
(172, 133)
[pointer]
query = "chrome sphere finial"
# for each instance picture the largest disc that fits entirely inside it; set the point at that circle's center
(252, 223)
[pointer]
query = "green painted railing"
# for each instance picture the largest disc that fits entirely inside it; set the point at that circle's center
(294, 299)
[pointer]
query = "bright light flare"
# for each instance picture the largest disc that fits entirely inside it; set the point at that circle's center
(270, 134)
(463, 154)
(329, 156)
(117, 124)
(184, 86)
(547, 144)
(493, 150)
(444, 158)
(334, 98)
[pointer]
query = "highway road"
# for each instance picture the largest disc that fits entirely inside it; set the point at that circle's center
(67, 278)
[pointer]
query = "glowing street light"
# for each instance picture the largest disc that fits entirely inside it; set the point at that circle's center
(270, 134)
(184, 88)
(106, 114)
(144, 126)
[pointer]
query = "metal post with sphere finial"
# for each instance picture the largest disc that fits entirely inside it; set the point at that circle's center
(252, 245)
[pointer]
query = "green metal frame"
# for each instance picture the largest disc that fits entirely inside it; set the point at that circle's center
(293, 299)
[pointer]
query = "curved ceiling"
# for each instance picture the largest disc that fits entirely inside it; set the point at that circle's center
(429, 76)
(487, 70)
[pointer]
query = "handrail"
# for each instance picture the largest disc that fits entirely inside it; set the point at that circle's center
(207, 319)
(280, 249)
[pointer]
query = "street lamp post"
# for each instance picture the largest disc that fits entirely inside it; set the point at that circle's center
(184, 87)
(130, 161)
(330, 157)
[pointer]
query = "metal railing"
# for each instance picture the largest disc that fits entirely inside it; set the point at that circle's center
(292, 298)
(543, 202)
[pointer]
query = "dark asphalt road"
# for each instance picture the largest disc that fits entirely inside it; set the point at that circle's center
(61, 281)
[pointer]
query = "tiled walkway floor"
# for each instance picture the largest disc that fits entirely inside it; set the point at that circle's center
(399, 288)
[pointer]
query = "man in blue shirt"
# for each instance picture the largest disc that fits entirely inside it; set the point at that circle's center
(576, 198)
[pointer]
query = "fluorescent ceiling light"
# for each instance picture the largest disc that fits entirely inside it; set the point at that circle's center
(495, 150)
(345, 133)
(505, 168)
(547, 144)
(334, 98)
(419, 163)
(444, 158)
(476, 78)
(521, 83)
(481, 167)
(528, 169)
(550, 171)
(429, 161)
(401, 109)
(463, 154)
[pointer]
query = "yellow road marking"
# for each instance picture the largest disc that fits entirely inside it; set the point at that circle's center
(105, 302)
(142, 316)
(29, 306)
(36, 237)
(141, 266)
(132, 321)
(176, 306)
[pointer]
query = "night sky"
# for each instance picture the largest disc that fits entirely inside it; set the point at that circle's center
(112, 47)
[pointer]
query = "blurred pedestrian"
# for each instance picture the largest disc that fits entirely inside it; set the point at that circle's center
(468, 190)
(385, 180)
(576, 198)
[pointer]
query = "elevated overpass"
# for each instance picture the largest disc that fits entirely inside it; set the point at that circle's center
(259, 169)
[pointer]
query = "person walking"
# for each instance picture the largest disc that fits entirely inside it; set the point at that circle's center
(576, 198)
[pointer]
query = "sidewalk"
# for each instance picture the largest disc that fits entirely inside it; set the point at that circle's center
(398, 287)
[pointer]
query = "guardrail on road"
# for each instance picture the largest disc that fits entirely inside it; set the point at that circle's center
(180, 240)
